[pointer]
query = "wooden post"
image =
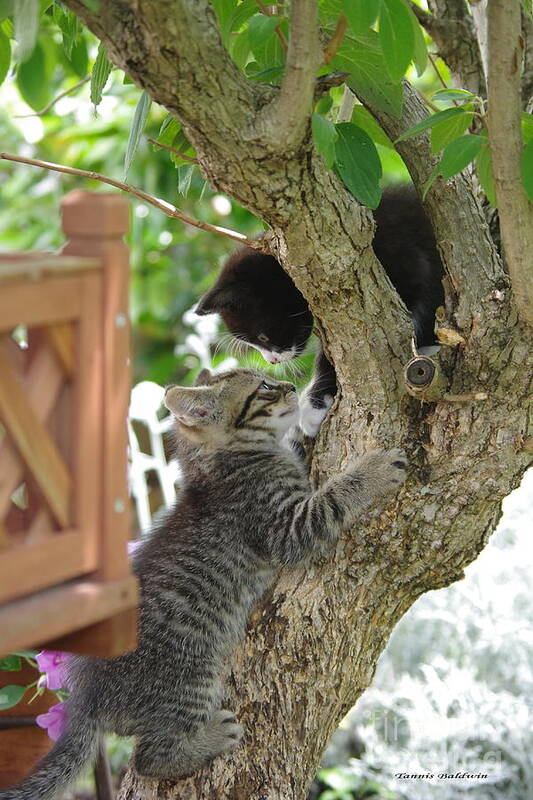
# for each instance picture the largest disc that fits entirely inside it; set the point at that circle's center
(95, 224)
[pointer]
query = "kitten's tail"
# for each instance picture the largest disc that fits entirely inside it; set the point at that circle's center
(73, 751)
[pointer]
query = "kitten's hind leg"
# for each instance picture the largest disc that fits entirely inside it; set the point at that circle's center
(164, 755)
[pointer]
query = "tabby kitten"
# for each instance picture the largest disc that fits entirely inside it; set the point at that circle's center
(245, 510)
(260, 304)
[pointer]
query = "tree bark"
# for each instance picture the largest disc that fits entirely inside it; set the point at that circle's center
(313, 643)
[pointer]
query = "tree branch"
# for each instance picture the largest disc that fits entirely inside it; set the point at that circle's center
(451, 28)
(505, 48)
(162, 205)
(283, 123)
(453, 209)
(338, 35)
(52, 103)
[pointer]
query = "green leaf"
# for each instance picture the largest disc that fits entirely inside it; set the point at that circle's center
(266, 47)
(527, 127)
(168, 130)
(361, 14)
(397, 37)
(70, 27)
(80, 57)
(445, 132)
(260, 29)
(224, 10)
(26, 16)
(420, 54)
(137, 127)
(5, 56)
(92, 5)
(11, 663)
(271, 75)
(458, 154)
(324, 104)
(241, 14)
(526, 169)
(452, 94)
(182, 144)
(484, 172)
(324, 136)
(99, 75)
(185, 172)
(240, 48)
(32, 79)
(357, 163)
(10, 696)
(364, 119)
(430, 122)
(363, 59)
(6, 8)
(25, 653)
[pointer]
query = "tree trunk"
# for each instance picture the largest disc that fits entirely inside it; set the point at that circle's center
(313, 643)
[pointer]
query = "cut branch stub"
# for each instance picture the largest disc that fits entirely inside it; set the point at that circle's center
(424, 379)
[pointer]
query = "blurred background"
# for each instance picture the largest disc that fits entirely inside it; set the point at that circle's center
(452, 693)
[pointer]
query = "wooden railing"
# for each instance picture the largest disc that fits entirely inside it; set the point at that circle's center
(65, 579)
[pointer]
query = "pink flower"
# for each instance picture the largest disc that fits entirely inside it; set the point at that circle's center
(53, 663)
(54, 720)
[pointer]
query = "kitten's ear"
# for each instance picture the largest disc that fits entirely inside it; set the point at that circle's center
(221, 298)
(203, 378)
(193, 407)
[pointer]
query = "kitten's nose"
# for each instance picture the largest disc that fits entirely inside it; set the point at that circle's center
(273, 358)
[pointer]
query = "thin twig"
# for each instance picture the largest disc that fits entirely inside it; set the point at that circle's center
(336, 39)
(437, 71)
(279, 33)
(173, 150)
(55, 100)
(429, 103)
(162, 205)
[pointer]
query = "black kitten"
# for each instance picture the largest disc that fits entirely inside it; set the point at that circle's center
(260, 304)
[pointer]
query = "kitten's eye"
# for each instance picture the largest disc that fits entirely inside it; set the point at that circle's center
(263, 338)
(266, 385)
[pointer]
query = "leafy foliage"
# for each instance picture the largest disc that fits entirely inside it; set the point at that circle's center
(383, 43)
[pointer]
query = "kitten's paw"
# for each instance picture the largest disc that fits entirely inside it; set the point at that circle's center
(313, 411)
(225, 730)
(383, 471)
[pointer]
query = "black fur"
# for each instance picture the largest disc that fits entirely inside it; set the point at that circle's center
(255, 297)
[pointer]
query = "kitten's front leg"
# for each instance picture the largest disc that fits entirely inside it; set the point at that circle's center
(318, 396)
(305, 525)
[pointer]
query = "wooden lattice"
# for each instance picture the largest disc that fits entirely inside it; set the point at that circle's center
(64, 383)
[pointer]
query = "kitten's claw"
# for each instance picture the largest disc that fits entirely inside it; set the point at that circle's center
(226, 729)
(383, 470)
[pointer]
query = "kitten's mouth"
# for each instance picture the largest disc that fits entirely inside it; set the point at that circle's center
(277, 358)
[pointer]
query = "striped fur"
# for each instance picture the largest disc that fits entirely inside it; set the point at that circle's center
(246, 509)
